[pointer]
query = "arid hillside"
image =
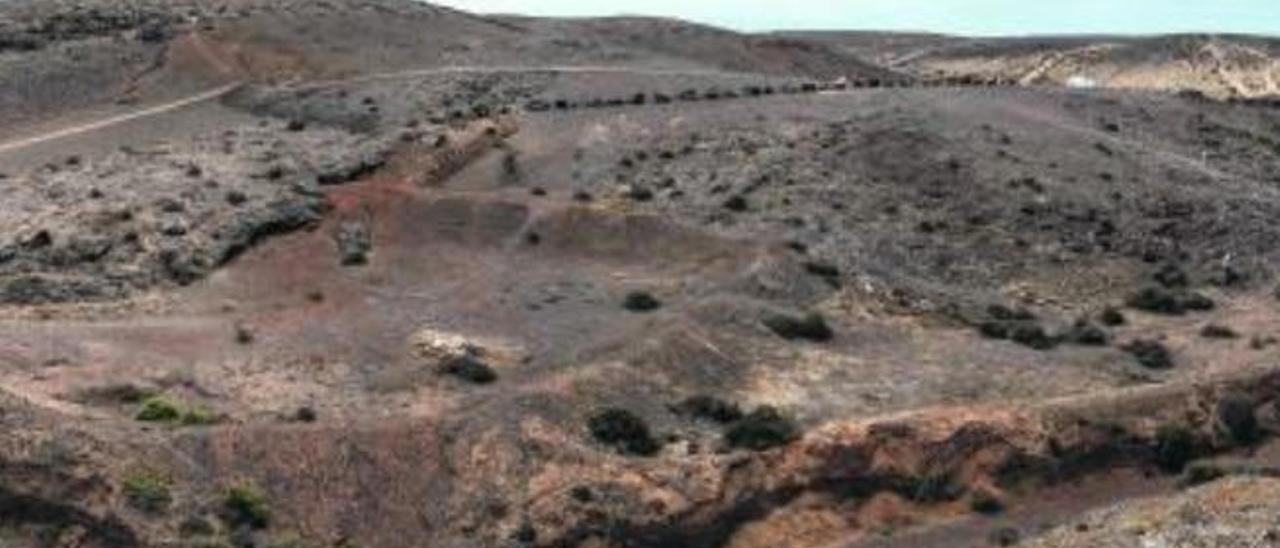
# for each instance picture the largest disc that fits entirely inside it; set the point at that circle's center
(375, 273)
(1217, 65)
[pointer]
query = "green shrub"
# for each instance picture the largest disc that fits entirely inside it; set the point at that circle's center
(1111, 317)
(1150, 354)
(624, 431)
(812, 327)
(159, 409)
(764, 428)
(641, 301)
(1175, 447)
(1237, 415)
(148, 492)
(470, 369)
(710, 408)
(1215, 331)
(983, 501)
(245, 505)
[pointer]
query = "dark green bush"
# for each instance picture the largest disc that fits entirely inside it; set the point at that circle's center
(812, 327)
(1175, 447)
(246, 506)
(624, 431)
(641, 301)
(1150, 354)
(148, 493)
(1215, 331)
(762, 429)
(470, 369)
(710, 408)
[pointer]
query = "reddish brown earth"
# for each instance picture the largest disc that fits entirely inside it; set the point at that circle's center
(305, 257)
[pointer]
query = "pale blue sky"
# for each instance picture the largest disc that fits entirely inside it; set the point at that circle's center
(984, 17)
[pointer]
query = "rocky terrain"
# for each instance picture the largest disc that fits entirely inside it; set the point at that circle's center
(1222, 66)
(378, 273)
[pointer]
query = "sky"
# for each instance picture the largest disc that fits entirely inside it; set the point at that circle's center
(970, 17)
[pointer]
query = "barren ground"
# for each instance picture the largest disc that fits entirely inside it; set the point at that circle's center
(303, 274)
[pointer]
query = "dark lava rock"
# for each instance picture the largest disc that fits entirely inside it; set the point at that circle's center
(624, 431)
(354, 243)
(812, 327)
(1150, 354)
(764, 428)
(250, 227)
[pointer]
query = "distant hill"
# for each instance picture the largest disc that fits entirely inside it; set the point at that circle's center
(1218, 65)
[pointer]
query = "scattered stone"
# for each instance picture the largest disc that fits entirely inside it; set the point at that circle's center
(354, 243)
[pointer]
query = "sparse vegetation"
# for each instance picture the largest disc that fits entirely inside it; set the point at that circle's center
(1087, 333)
(1175, 446)
(1217, 331)
(148, 492)
(1112, 317)
(710, 408)
(764, 428)
(1237, 415)
(810, 327)
(246, 506)
(984, 501)
(1150, 354)
(641, 302)
(624, 431)
(162, 410)
(469, 368)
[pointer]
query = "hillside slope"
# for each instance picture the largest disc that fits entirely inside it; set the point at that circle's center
(1218, 65)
